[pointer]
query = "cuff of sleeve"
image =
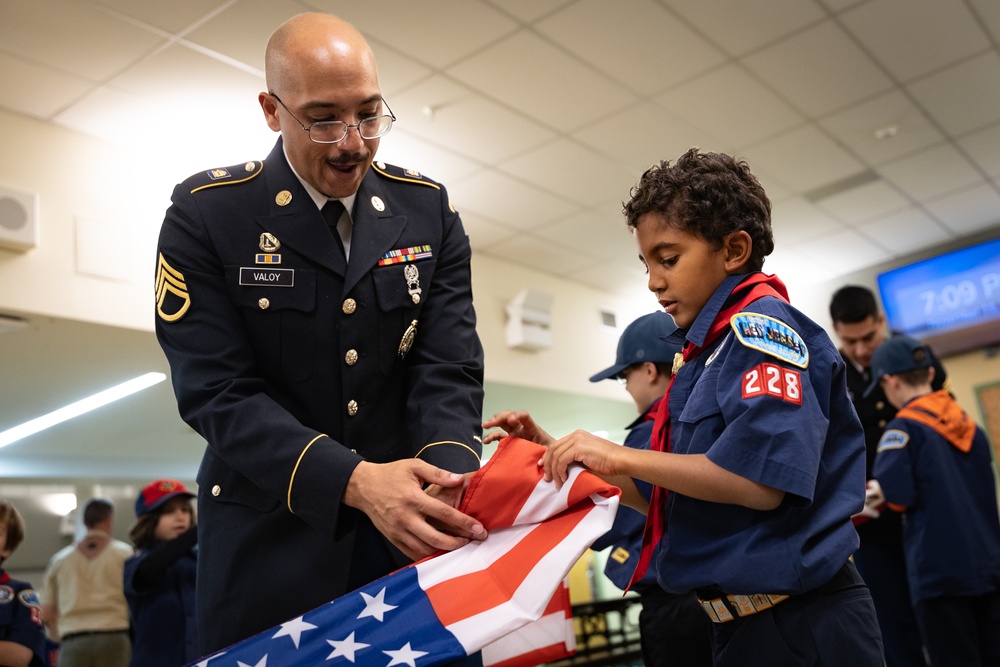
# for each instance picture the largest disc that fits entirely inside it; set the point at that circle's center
(319, 477)
(452, 455)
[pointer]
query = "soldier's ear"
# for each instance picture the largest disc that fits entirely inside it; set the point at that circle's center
(270, 109)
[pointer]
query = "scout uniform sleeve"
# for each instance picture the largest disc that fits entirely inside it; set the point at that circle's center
(446, 372)
(894, 465)
(220, 390)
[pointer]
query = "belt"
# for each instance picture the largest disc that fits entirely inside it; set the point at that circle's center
(728, 607)
(89, 633)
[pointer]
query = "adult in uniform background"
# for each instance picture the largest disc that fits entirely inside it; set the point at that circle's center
(861, 328)
(335, 372)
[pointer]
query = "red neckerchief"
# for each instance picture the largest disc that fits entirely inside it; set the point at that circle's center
(4, 577)
(756, 286)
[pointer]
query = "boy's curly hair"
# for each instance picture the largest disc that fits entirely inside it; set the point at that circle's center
(710, 195)
(12, 520)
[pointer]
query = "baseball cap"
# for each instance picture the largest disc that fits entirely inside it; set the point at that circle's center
(642, 341)
(898, 354)
(158, 492)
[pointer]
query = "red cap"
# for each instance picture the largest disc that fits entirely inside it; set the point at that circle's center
(158, 492)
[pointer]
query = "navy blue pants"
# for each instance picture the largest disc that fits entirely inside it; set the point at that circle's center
(832, 626)
(961, 631)
(673, 630)
(883, 567)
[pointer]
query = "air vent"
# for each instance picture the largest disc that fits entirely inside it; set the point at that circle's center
(608, 319)
(843, 185)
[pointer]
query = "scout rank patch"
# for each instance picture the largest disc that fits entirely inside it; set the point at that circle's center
(172, 298)
(893, 439)
(770, 336)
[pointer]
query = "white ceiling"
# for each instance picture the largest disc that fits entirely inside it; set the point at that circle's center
(539, 115)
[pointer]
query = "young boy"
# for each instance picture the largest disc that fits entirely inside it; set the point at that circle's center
(22, 638)
(934, 465)
(761, 456)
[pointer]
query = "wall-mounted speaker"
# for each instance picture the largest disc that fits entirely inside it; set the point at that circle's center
(18, 219)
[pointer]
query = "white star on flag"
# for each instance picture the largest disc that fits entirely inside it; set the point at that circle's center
(375, 606)
(346, 648)
(204, 663)
(261, 663)
(294, 629)
(405, 655)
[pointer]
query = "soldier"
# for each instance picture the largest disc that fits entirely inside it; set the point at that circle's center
(316, 311)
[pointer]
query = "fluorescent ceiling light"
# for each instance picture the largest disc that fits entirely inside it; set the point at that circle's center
(80, 407)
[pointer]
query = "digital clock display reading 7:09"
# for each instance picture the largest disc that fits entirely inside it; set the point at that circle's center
(954, 290)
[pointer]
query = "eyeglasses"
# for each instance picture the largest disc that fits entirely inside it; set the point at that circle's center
(622, 377)
(334, 131)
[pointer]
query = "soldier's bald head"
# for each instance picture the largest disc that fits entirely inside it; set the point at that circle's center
(314, 44)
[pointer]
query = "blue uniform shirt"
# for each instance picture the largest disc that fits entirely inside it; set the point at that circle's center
(951, 533)
(21, 617)
(788, 426)
(625, 535)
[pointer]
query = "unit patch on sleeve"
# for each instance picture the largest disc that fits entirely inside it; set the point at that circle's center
(773, 380)
(770, 336)
(893, 439)
(172, 298)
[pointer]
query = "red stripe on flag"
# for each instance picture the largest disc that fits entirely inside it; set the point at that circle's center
(497, 583)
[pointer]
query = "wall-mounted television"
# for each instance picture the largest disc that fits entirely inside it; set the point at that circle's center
(951, 301)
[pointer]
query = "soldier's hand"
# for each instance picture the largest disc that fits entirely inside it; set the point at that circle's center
(416, 522)
(518, 423)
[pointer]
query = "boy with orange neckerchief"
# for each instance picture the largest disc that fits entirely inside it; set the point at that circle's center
(758, 457)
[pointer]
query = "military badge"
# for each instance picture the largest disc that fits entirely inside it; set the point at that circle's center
(412, 275)
(412, 172)
(268, 242)
(216, 174)
(770, 336)
(250, 166)
(6, 594)
(378, 204)
(407, 341)
(172, 298)
(283, 198)
(401, 255)
(264, 258)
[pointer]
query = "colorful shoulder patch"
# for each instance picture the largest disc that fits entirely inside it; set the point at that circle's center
(224, 176)
(770, 336)
(172, 298)
(893, 439)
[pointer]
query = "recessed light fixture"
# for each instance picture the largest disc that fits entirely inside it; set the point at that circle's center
(80, 407)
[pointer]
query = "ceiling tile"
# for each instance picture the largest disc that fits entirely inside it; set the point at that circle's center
(542, 255)
(914, 37)
(644, 47)
(906, 231)
(170, 16)
(629, 281)
(864, 202)
(36, 90)
(797, 268)
(79, 39)
(573, 171)
(847, 250)
(968, 211)
(448, 114)
(803, 159)
(642, 135)
(904, 125)
(520, 70)
(739, 26)
(731, 105)
(457, 30)
(484, 233)
(528, 10)
(819, 70)
(984, 148)
(989, 12)
(599, 231)
(396, 71)
(508, 201)
(796, 220)
(935, 171)
(403, 149)
(964, 97)
(241, 31)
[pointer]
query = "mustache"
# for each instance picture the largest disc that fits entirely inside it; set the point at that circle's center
(348, 158)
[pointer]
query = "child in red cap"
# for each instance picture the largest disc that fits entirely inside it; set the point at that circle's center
(160, 577)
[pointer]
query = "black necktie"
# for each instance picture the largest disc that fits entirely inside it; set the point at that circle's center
(332, 211)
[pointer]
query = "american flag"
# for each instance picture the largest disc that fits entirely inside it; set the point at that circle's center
(505, 595)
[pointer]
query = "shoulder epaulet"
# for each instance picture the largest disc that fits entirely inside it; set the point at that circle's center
(240, 173)
(395, 173)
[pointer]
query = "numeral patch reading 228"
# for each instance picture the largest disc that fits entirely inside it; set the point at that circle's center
(773, 380)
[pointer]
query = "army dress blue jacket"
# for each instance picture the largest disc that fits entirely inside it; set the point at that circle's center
(295, 366)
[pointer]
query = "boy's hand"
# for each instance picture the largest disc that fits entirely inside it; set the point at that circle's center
(598, 455)
(519, 424)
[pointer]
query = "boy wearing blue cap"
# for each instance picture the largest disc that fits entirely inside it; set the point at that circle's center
(673, 630)
(934, 465)
(757, 459)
